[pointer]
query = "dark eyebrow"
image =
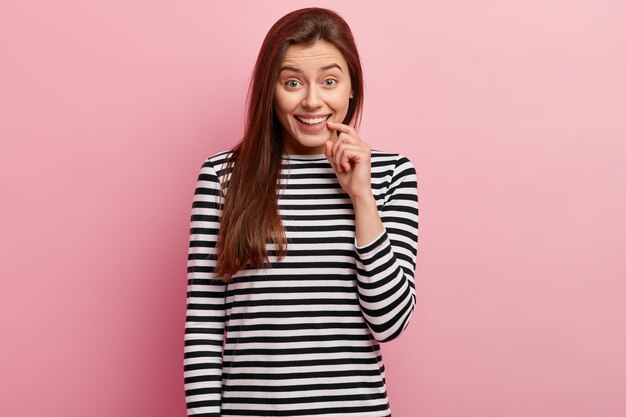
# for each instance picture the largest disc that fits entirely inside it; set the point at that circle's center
(325, 68)
(289, 68)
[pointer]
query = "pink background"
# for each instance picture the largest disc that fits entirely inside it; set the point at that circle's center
(514, 114)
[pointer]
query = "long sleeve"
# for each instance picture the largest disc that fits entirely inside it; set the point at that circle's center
(386, 266)
(205, 311)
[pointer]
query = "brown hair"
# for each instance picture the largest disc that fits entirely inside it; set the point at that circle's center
(250, 216)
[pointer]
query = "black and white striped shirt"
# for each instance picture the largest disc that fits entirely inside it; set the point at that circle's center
(301, 338)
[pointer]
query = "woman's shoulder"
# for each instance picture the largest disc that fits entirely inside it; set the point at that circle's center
(385, 158)
(220, 157)
(217, 160)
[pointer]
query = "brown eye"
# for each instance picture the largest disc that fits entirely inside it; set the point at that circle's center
(330, 82)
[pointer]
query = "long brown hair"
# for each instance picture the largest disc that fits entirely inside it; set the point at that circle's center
(250, 217)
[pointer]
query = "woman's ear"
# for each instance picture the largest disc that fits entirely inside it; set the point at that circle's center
(352, 94)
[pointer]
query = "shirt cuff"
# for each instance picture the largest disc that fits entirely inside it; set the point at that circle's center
(367, 250)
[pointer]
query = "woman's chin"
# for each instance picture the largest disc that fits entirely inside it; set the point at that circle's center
(317, 141)
(305, 147)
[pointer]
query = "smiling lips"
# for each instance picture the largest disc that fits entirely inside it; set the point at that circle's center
(312, 120)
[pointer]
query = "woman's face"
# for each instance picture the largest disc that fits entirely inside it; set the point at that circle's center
(313, 86)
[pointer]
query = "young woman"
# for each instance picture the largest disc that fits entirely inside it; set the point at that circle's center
(303, 242)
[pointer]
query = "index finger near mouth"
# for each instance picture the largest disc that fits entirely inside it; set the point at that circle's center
(337, 125)
(343, 128)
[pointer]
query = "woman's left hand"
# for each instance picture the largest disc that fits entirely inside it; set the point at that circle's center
(350, 158)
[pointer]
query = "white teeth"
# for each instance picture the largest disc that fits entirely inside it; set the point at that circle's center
(313, 121)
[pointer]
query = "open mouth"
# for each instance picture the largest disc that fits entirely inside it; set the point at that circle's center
(312, 121)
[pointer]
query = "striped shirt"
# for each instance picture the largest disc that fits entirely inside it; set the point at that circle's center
(301, 338)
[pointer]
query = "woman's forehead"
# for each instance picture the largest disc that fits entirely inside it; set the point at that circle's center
(321, 53)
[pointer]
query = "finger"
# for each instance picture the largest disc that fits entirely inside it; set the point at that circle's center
(339, 162)
(340, 127)
(328, 148)
(337, 151)
(329, 152)
(335, 157)
(338, 158)
(348, 152)
(343, 138)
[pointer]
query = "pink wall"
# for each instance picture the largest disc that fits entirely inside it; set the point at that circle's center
(513, 113)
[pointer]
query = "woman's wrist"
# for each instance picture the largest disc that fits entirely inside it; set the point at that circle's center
(367, 222)
(364, 200)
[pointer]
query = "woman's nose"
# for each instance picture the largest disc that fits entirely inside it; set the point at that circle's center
(312, 98)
